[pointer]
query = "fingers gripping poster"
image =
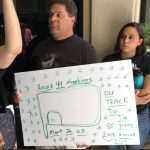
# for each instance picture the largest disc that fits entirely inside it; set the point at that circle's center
(91, 104)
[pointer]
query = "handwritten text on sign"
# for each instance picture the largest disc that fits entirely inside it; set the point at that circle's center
(92, 104)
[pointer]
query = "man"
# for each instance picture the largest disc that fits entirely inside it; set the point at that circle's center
(63, 48)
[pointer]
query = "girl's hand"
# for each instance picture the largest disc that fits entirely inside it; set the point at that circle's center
(142, 97)
(1, 141)
(16, 96)
(83, 146)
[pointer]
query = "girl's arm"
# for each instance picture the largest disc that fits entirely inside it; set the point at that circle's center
(13, 40)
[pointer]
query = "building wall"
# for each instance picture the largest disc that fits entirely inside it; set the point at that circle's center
(0, 6)
(107, 17)
(147, 17)
(87, 19)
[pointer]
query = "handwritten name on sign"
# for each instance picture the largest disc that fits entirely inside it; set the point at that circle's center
(92, 104)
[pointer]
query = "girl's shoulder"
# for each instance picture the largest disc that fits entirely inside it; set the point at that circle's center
(112, 57)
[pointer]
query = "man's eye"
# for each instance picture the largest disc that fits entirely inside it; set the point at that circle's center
(50, 14)
(59, 15)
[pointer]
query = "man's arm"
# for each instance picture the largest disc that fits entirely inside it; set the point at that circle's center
(13, 40)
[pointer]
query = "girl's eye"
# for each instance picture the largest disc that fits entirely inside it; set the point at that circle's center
(132, 37)
(123, 37)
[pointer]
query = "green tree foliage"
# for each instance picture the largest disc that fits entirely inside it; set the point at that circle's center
(146, 28)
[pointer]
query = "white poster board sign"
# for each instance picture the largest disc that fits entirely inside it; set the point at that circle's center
(92, 104)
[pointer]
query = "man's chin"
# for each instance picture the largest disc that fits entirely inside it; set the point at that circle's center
(54, 32)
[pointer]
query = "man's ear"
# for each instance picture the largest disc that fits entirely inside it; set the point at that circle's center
(73, 19)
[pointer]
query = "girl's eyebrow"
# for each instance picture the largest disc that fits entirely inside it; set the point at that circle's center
(128, 34)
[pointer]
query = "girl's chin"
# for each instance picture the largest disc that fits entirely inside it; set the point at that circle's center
(125, 50)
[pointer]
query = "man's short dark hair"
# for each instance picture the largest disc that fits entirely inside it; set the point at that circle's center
(69, 5)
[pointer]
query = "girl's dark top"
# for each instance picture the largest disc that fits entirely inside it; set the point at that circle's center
(2, 92)
(141, 61)
(2, 71)
(6, 87)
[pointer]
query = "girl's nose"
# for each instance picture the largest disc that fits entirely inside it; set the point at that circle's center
(126, 39)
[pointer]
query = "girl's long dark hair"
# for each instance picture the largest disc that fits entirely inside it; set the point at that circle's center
(140, 49)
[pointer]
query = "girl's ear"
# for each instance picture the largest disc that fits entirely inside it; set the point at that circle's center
(140, 42)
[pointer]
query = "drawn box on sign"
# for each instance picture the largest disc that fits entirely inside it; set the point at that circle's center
(61, 108)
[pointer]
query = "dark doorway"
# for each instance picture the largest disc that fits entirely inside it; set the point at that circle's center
(35, 14)
(143, 11)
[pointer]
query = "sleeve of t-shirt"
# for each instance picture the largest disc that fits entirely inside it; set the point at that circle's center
(105, 59)
(91, 56)
(2, 71)
(108, 58)
(147, 64)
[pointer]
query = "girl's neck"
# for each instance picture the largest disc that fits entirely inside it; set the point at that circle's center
(127, 55)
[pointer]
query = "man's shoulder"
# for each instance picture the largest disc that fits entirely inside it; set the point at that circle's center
(83, 43)
(43, 42)
(80, 39)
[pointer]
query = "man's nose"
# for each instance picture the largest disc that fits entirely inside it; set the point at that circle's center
(52, 17)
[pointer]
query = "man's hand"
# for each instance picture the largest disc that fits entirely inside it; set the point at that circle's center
(142, 97)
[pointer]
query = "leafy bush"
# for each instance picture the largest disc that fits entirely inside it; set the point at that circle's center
(146, 28)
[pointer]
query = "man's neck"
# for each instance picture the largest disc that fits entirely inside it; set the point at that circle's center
(62, 37)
